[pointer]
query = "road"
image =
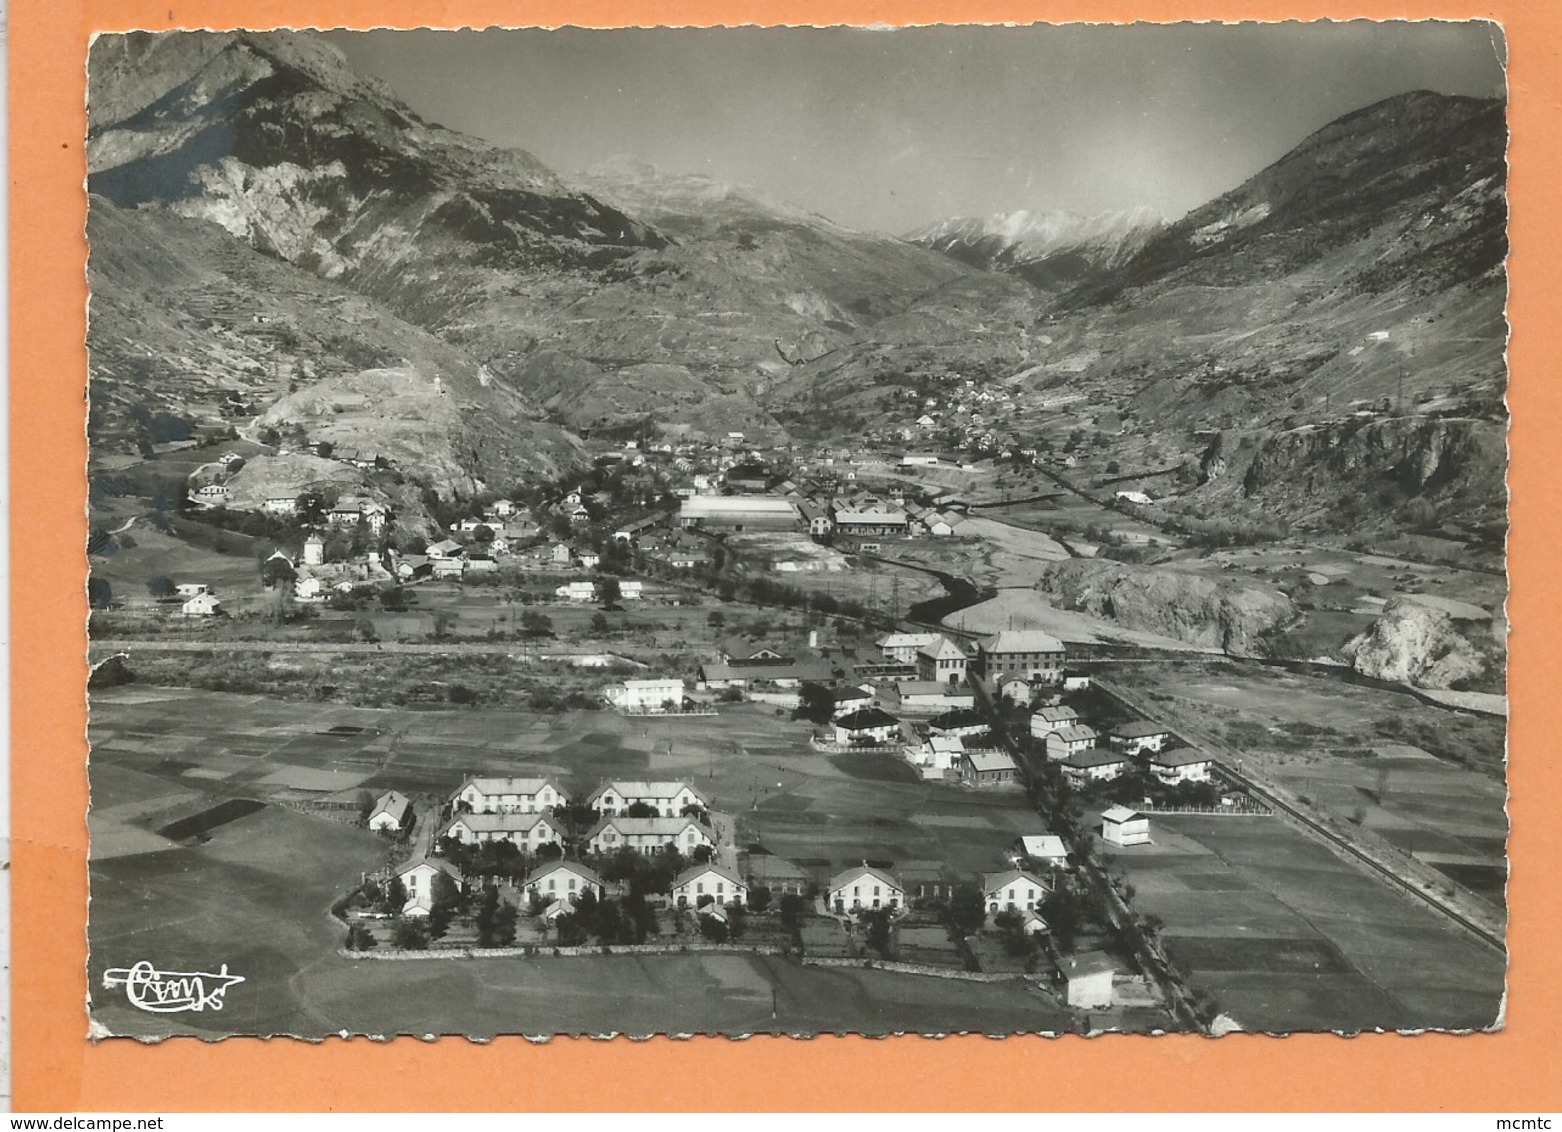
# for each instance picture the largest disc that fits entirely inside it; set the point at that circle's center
(1152, 959)
(436, 648)
(1403, 874)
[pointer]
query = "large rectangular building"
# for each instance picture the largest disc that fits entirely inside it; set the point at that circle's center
(1029, 654)
(740, 513)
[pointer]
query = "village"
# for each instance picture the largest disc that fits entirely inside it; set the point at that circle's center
(751, 597)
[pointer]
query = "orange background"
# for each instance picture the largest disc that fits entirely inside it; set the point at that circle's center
(55, 1068)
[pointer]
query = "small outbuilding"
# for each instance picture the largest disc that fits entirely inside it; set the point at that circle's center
(1122, 826)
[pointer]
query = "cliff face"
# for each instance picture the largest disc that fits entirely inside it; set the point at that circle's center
(1325, 474)
(1416, 644)
(1202, 611)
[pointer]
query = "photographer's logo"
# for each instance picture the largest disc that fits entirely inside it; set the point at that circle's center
(171, 992)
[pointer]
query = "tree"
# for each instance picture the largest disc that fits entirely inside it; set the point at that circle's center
(160, 587)
(274, 570)
(360, 938)
(269, 437)
(814, 703)
(611, 592)
(100, 595)
(495, 920)
(640, 810)
(966, 912)
(393, 896)
(600, 625)
(792, 907)
(393, 599)
(311, 507)
(536, 624)
(758, 899)
(716, 619)
(364, 630)
(443, 620)
(702, 855)
(482, 534)
(324, 449)
(447, 901)
(878, 923)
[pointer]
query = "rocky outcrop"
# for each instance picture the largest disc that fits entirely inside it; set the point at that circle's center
(1414, 643)
(1202, 611)
(1423, 456)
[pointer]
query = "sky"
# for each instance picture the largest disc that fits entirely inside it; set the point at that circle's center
(888, 130)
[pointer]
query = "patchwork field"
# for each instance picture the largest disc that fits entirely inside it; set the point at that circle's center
(1287, 936)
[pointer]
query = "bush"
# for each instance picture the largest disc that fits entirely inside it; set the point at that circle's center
(412, 935)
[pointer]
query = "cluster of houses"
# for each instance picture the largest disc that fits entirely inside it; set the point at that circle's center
(1086, 755)
(644, 816)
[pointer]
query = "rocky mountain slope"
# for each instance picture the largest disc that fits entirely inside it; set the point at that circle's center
(1054, 251)
(188, 322)
(1210, 612)
(1358, 279)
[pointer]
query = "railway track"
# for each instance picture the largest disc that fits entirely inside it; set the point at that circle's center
(1339, 843)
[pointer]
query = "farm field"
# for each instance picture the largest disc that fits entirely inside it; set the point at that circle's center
(1288, 937)
(834, 809)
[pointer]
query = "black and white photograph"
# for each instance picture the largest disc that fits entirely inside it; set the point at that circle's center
(793, 530)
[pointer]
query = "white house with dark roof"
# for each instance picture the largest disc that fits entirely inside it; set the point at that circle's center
(1070, 740)
(1094, 764)
(648, 835)
(527, 831)
(1049, 719)
(866, 727)
(668, 797)
(392, 812)
(844, 701)
(1138, 736)
(494, 795)
(1181, 764)
(417, 878)
(563, 881)
(863, 888)
(721, 884)
(1013, 890)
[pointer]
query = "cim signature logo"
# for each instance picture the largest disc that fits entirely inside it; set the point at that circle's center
(171, 992)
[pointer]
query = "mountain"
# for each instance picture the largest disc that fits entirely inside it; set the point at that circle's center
(1054, 251)
(698, 326)
(1316, 319)
(187, 322)
(273, 137)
